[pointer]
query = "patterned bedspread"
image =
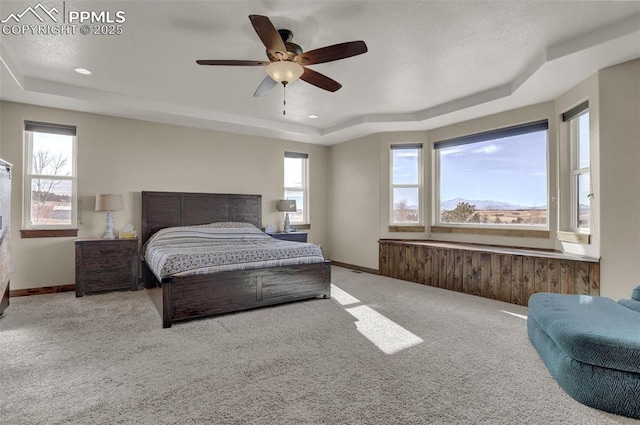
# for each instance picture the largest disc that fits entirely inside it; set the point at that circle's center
(217, 247)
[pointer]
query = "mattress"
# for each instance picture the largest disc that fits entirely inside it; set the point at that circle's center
(219, 247)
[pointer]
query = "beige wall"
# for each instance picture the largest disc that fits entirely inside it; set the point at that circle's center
(354, 207)
(619, 91)
(361, 179)
(349, 182)
(614, 96)
(128, 156)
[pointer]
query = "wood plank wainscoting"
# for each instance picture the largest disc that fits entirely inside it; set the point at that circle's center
(506, 274)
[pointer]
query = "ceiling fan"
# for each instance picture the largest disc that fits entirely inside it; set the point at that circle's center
(288, 62)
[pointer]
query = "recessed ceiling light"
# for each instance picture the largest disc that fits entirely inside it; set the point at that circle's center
(83, 71)
(312, 116)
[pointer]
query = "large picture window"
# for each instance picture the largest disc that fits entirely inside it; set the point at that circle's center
(296, 169)
(49, 176)
(578, 120)
(406, 184)
(496, 178)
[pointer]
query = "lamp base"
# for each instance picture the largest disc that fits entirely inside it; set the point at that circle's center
(287, 228)
(109, 225)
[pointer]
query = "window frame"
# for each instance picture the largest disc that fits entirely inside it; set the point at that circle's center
(48, 230)
(439, 226)
(306, 216)
(572, 119)
(399, 226)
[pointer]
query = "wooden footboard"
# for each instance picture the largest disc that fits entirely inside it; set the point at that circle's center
(189, 297)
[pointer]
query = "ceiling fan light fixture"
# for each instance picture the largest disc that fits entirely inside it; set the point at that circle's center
(285, 71)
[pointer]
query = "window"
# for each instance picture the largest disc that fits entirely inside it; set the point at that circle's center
(50, 176)
(296, 185)
(496, 178)
(578, 120)
(406, 184)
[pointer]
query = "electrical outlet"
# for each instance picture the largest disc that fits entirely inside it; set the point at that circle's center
(12, 268)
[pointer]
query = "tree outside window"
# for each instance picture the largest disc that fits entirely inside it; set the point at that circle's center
(50, 181)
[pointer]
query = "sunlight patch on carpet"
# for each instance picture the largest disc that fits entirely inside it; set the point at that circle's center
(342, 297)
(385, 334)
(522, 316)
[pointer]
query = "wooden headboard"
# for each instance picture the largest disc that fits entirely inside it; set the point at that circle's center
(169, 209)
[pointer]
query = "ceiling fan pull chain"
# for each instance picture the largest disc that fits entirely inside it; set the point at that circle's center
(284, 98)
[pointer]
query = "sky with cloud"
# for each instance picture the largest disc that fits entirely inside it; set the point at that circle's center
(512, 169)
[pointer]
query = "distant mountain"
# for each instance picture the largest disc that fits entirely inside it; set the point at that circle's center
(487, 205)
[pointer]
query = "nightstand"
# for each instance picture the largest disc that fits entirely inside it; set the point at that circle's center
(104, 265)
(293, 236)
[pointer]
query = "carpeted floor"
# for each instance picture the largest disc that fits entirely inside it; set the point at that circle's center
(105, 359)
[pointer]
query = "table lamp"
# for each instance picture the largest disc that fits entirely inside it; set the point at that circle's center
(109, 202)
(287, 206)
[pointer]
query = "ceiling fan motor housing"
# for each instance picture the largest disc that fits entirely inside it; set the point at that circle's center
(293, 49)
(285, 34)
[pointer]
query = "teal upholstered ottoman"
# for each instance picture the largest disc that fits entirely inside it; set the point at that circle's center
(591, 346)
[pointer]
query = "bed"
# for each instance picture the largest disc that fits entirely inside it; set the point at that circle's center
(182, 297)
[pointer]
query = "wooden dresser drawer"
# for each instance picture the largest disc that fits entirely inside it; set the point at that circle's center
(106, 264)
(95, 282)
(106, 250)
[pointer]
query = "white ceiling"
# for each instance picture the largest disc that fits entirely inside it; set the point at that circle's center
(430, 63)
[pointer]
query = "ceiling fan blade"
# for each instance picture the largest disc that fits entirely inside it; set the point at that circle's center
(265, 86)
(230, 62)
(268, 34)
(320, 80)
(333, 53)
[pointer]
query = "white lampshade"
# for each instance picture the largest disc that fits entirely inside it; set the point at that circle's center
(109, 202)
(284, 71)
(287, 205)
